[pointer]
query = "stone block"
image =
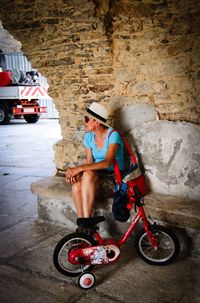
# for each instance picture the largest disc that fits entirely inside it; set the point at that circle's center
(131, 116)
(170, 154)
(55, 202)
(56, 206)
(172, 210)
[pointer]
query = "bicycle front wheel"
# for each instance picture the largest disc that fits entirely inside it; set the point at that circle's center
(61, 252)
(168, 246)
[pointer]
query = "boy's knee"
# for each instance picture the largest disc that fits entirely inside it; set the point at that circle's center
(90, 175)
(76, 187)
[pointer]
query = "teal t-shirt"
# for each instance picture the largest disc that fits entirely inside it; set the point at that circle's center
(99, 155)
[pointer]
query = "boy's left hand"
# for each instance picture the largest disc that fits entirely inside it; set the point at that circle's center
(71, 174)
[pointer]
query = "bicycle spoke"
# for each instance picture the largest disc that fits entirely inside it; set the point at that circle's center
(165, 247)
(64, 252)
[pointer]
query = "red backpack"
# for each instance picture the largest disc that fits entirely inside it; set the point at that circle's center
(125, 186)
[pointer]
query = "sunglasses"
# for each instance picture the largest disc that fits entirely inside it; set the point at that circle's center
(87, 119)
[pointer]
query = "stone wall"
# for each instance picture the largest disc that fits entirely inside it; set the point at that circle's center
(168, 150)
(116, 52)
(7, 42)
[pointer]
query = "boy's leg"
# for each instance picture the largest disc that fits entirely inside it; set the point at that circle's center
(76, 193)
(89, 189)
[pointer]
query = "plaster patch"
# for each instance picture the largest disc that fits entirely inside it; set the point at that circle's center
(193, 179)
(170, 152)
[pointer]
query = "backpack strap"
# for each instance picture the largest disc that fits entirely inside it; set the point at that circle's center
(133, 158)
(115, 163)
(118, 178)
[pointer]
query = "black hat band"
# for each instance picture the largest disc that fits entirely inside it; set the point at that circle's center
(96, 115)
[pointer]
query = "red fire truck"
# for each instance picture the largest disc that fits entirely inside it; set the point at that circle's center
(19, 95)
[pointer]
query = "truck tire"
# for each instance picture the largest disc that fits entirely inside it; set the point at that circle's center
(31, 118)
(5, 116)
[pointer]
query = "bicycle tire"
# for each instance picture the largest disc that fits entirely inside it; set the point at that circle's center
(168, 246)
(61, 263)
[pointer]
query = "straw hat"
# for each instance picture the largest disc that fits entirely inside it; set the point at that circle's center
(97, 112)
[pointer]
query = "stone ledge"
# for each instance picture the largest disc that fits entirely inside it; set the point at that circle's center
(51, 187)
(55, 204)
(175, 211)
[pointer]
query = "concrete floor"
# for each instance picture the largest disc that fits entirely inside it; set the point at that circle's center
(26, 271)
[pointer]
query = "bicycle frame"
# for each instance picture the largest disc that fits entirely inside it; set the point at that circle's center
(140, 215)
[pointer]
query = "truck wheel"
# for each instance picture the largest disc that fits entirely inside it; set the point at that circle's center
(31, 118)
(4, 115)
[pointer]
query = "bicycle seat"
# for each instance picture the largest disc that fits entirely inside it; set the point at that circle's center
(89, 222)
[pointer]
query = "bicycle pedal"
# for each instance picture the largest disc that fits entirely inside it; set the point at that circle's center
(88, 231)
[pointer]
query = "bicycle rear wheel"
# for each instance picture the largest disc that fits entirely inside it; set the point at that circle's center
(62, 249)
(168, 246)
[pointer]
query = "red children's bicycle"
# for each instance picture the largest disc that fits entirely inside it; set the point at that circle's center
(77, 253)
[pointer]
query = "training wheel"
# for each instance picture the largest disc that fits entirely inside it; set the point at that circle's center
(86, 280)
